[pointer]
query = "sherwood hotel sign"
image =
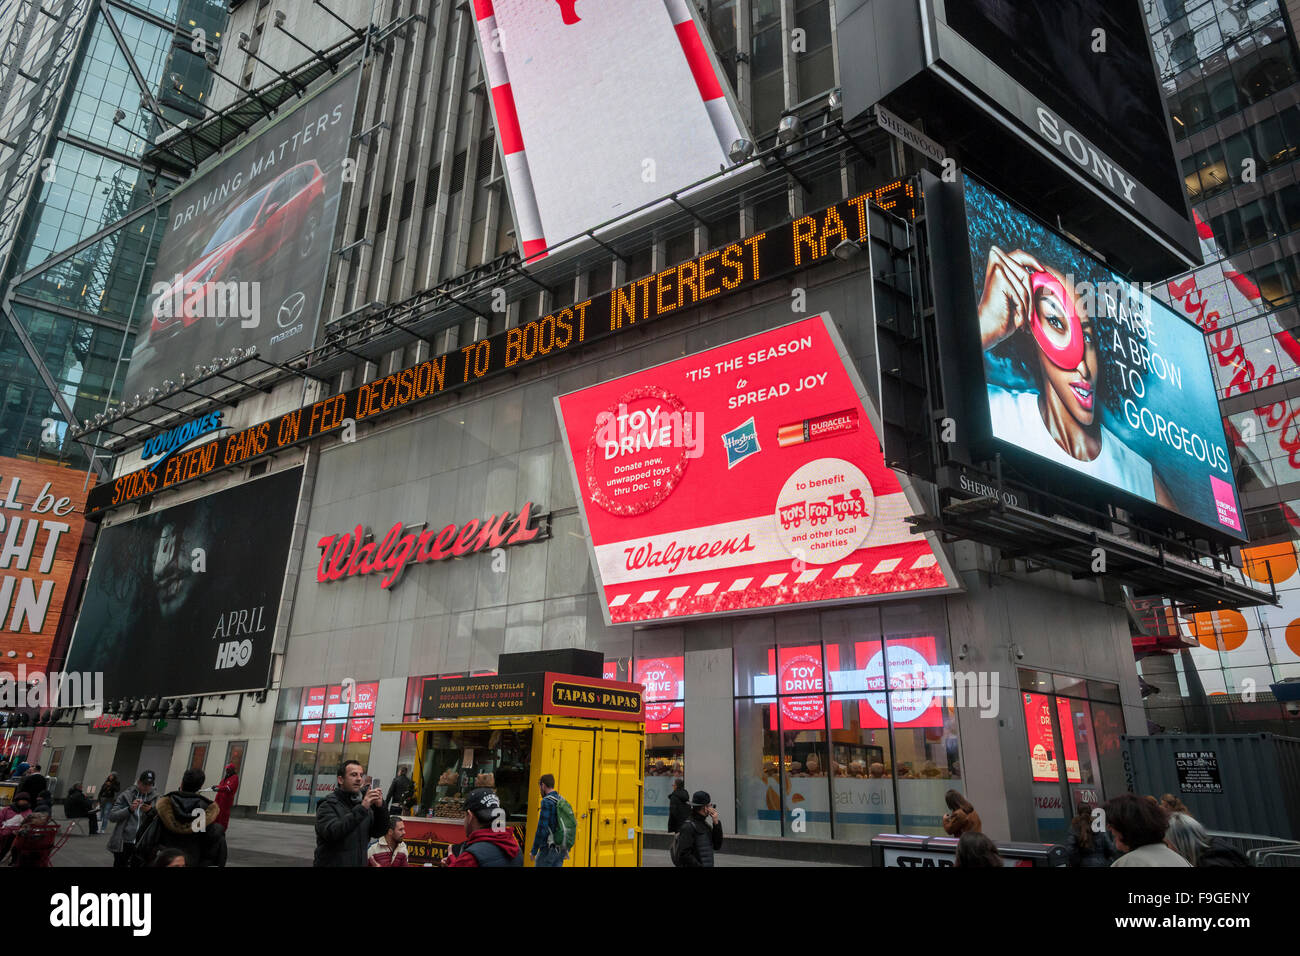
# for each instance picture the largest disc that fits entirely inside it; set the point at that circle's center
(735, 266)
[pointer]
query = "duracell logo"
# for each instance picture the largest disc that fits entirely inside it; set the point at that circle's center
(355, 552)
(595, 698)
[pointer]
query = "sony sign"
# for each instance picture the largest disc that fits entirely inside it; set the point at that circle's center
(1083, 153)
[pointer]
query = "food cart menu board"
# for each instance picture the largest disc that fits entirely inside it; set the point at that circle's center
(514, 695)
(1198, 771)
(524, 695)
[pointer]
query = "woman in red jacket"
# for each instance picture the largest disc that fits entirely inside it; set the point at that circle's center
(225, 791)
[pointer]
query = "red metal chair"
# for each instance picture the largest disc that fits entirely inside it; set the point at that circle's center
(34, 845)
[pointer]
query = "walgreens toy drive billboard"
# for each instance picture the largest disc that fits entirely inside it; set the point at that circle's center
(247, 246)
(625, 98)
(744, 477)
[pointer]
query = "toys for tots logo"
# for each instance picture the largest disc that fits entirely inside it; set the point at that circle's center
(825, 511)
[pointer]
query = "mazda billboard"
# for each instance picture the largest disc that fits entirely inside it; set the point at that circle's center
(244, 258)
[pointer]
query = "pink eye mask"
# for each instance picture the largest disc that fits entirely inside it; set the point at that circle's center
(1065, 356)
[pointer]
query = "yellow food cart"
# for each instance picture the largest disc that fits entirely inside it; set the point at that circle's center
(505, 732)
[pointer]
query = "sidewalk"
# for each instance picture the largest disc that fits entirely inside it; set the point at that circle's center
(271, 843)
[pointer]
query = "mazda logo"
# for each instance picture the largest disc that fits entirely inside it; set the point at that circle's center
(291, 309)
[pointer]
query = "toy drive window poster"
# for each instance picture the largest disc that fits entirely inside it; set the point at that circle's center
(743, 477)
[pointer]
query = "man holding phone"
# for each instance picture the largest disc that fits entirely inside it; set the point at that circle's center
(701, 835)
(348, 818)
(128, 809)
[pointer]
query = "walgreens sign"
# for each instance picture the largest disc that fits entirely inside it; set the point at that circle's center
(350, 553)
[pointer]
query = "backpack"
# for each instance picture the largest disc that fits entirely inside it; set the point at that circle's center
(682, 850)
(565, 833)
(147, 838)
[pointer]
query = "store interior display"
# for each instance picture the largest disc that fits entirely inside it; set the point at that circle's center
(457, 762)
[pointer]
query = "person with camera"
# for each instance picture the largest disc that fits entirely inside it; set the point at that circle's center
(128, 810)
(701, 834)
(348, 818)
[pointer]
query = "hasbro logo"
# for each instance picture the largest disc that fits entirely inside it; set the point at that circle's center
(741, 442)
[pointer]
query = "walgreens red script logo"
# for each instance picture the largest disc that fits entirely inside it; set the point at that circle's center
(356, 552)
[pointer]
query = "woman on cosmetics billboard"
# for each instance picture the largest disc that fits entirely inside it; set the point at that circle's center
(1037, 323)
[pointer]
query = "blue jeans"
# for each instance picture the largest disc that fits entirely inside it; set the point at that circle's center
(550, 856)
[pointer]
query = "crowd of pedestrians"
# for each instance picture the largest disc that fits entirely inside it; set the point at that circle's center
(358, 825)
(1127, 831)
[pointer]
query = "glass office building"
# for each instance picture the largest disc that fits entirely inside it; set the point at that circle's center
(1231, 76)
(88, 87)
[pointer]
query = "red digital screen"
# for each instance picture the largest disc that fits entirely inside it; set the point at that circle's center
(746, 476)
(314, 708)
(361, 730)
(320, 734)
(334, 706)
(798, 670)
(1042, 748)
(366, 695)
(664, 681)
(916, 691)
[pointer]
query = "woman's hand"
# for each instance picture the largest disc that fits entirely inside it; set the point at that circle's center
(1007, 300)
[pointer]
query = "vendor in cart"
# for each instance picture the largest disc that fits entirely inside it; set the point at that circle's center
(489, 841)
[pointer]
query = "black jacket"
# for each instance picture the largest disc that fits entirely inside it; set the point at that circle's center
(77, 805)
(679, 809)
(1101, 853)
(708, 839)
(344, 828)
(206, 847)
(399, 790)
(1221, 853)
(35, 784)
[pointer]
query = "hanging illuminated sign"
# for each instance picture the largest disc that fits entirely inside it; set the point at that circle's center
(732, 268)
(351, 553)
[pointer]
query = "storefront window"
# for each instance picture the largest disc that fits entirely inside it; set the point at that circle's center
(845, 724)
(317, 728)
(1073, 732)
(758, 775)
(660, 668)
(862, 791)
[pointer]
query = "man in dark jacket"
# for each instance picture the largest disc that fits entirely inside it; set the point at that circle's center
(177, 815)
(76, 806)
(679, 806)
(34, 783)
(347, 819)
(489, 842)
(706, 828)
(399, 791)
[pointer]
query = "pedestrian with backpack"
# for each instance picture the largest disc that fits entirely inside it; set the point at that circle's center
(700, 836)
(557, 826)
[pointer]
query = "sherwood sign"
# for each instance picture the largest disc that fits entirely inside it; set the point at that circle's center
(732, 268)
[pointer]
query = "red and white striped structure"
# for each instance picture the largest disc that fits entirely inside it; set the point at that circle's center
(528, 222)
(601, 109)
